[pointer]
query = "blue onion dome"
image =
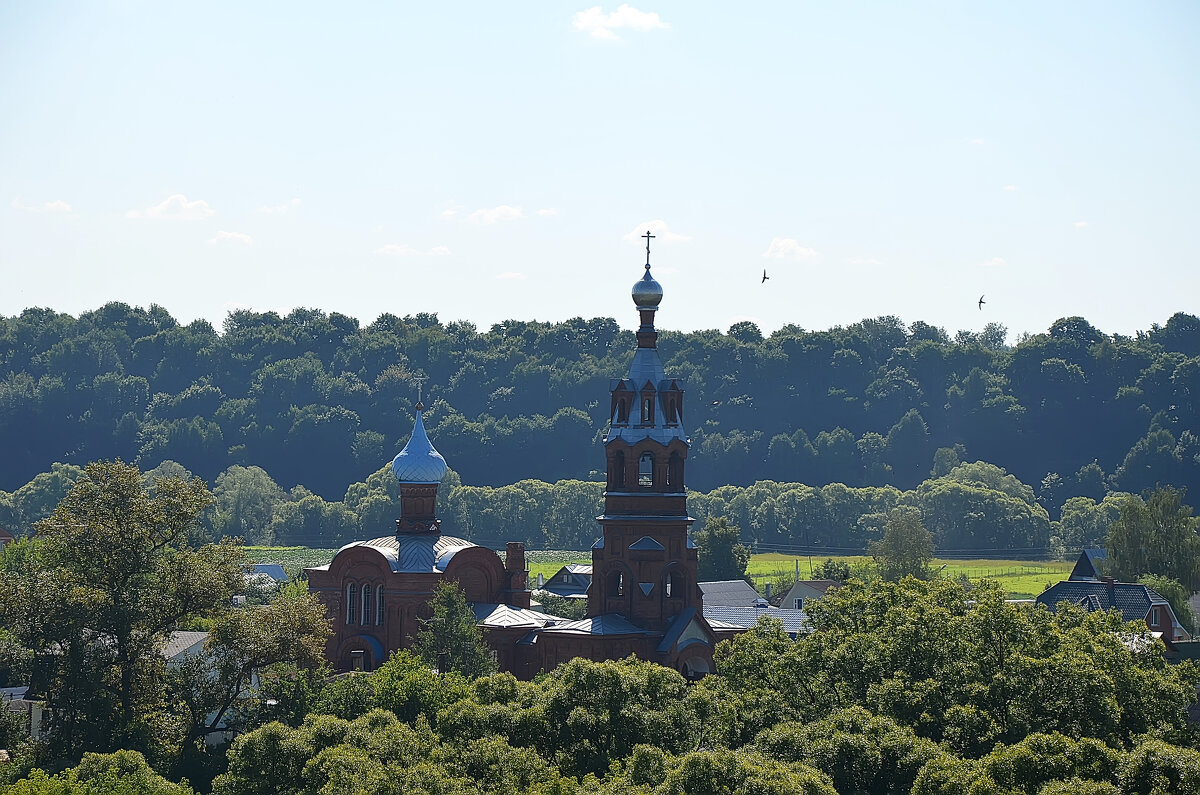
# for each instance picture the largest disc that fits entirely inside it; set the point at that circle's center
(419, 462)
(647, 293)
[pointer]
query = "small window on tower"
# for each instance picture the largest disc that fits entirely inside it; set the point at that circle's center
(647, 411)
(622, 412)
(619, 470)
(646, 471)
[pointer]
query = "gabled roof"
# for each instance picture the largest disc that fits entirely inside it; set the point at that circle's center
(731, 593)
(647, 544)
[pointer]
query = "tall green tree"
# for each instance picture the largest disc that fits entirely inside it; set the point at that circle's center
(906, 548)
(111, 574)
(449, 639)
(722, 556)
(1155, 535)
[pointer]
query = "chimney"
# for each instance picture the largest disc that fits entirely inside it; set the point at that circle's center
(1110, 586)
(517, 574)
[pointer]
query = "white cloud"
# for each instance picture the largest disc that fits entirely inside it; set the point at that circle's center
(397, 250)
(548, 211)
(510, 276)
(600, 25)
(231, 237)
(1009, 187)
(439, 251)
(788, 248)
(56, 206)
(446, 214)
(175, 208)
(658, 228)
(864, 261)
(994, 262)
(492, 215)
(280, 209)
(1081, 224)
(977, 141)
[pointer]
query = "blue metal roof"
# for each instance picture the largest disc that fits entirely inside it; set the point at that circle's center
(795, 622)
(419, 462)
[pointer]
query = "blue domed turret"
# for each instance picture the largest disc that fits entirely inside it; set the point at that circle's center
(419, 462)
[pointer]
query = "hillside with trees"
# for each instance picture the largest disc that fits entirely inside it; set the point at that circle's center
(290, 417)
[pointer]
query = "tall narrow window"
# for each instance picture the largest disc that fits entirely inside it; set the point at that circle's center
(351, 604)
(619, 470)
(622, 411)
(646, 471)
(367, 603)
(379, 606)
(675, 472)
(616, 584)
(647, 410)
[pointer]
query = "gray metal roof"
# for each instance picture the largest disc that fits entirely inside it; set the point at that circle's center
(497, 616)
(728, 593)
(795, 622)
(418, 554)
(607, 624)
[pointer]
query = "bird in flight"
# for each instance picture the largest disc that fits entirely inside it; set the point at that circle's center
(765, 276)
(981, 303)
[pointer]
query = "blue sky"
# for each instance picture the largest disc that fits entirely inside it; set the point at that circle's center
(497, 160)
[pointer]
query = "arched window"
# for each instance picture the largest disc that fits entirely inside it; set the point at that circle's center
(647, 410)
(646, 470)
(367, 604)
(622, 411)
(675, 584)
(616, 583)
(671, 415)
(379, 606)
(675, 472)
(618, 479)
(351, 603)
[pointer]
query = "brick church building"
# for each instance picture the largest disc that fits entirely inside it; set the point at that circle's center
(644, 598)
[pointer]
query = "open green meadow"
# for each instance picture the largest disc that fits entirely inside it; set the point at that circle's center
(1023, 579)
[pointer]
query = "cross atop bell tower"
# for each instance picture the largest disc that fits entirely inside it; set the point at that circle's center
(644, 567)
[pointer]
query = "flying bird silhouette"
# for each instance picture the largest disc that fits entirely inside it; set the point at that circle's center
(765, 276)
(981, 303)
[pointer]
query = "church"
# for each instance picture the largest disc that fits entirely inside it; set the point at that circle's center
(644, 598)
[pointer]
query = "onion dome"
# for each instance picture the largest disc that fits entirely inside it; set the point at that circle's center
(419, 462)
(647, 293)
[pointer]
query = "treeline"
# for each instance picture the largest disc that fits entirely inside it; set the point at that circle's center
(321, 401)
(911, 687)
(973, 507)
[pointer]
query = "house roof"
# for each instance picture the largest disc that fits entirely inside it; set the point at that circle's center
(179, 642)
(795, 622)
(730, 593)
(1132, 599)
(272, 570)
(571, 581)
(1088, 566)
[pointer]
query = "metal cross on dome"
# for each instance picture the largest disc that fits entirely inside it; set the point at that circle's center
(648, 236)
(419, 380)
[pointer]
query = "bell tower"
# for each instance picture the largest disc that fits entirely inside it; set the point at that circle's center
(644, 567)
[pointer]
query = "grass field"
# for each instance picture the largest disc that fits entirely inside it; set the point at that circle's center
(1023, 579)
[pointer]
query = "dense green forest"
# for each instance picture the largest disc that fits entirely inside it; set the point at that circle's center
(868, 412)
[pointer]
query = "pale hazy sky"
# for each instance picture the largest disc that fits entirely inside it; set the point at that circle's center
(497, 160)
